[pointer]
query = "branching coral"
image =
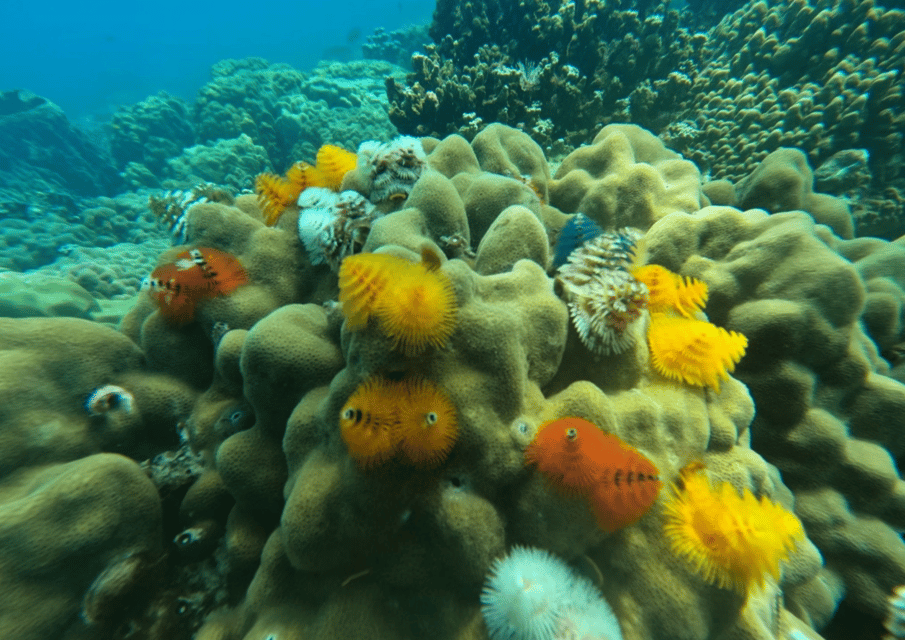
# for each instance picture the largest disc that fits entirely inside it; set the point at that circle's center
(549, 68)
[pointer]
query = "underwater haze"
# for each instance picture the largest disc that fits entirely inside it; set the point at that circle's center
(92, 57)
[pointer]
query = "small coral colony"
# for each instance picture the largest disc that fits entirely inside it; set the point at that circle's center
(730, 539)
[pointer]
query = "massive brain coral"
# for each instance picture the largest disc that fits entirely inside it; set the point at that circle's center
(325, 501)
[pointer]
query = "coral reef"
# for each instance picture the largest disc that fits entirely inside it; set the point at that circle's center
(151, 131)
(41, 148)
(339, 484)
(396, 46)
(292, 114)
(724, 86)
(824, 78)
(252, 116)
(37, 235)
(882, 267)
(556, 70)
(229, 163)
(110, 273)
(25, 296)
(814, 77)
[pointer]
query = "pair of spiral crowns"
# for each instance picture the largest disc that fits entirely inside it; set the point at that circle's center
(413, 302)
(412, 418)
(682, 347)
(607, 294)
(604, 299)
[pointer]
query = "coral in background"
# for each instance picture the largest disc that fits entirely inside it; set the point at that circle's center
(557, 71)
(815, 77)
(242, 97)
(292, 114)
(40, 295)
(42, 149)
(151, 131)
(824, 78)
(229, 163)
(396, 46)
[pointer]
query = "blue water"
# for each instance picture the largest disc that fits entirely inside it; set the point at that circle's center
(90, 57)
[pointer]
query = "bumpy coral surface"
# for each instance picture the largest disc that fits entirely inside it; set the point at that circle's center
(258, 518)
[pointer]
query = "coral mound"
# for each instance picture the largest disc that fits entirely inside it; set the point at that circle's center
(344, 455)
